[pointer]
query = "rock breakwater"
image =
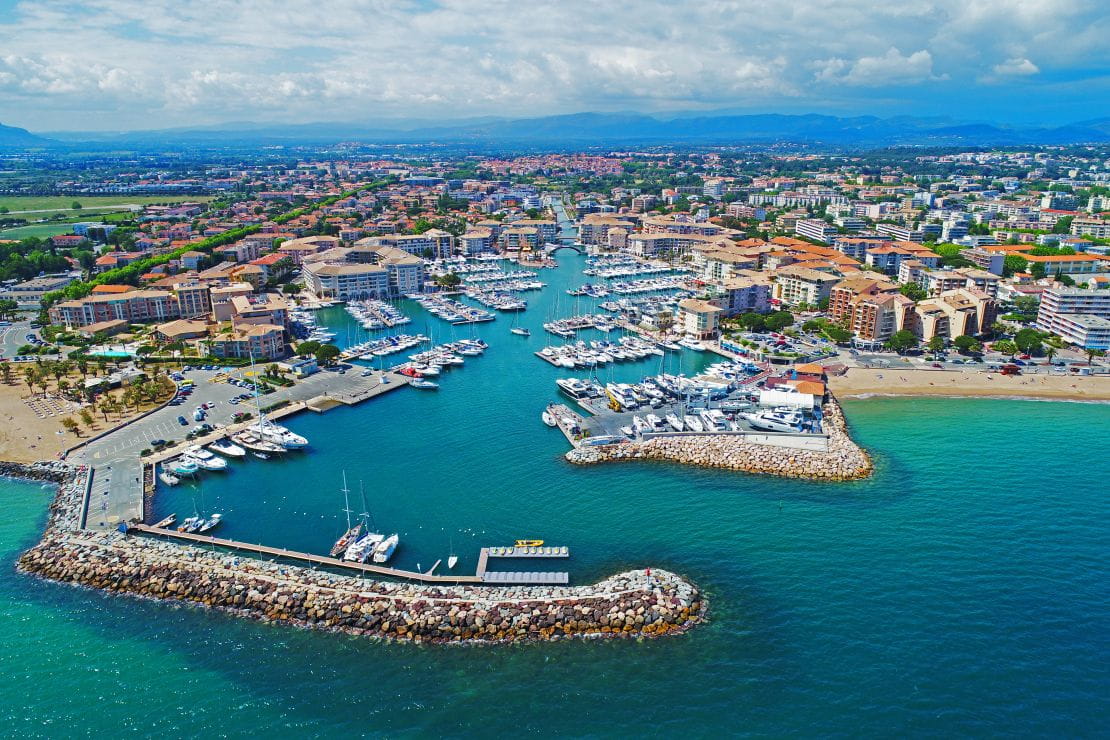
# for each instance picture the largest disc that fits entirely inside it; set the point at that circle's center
(842, 459)
(633, 604)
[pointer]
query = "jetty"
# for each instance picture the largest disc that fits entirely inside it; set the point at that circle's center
(481, 575)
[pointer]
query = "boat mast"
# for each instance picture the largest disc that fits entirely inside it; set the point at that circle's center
(346, 501)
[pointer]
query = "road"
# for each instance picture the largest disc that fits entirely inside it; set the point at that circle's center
(13, 337)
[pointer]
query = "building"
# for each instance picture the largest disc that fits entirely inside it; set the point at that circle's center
(1068, 264)
(135, 306)
(595, 228)
(29, 293)
(476, 241)
(985, 260)
(745, 295)
(954, 313)
(432, 244)
(796, 285)
(1068, 312)
(345, 282)
(257, 341)
(1091, 227)
(816, 229)
(697, 318)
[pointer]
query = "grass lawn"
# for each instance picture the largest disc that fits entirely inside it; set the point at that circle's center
(39, 230)
(89, 203)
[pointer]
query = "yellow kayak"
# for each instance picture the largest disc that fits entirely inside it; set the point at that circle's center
(529, 543)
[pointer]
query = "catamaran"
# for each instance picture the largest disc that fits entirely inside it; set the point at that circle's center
(383, 551)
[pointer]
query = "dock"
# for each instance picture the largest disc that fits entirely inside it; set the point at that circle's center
(481, 575)
(569, 422)
(529, 552)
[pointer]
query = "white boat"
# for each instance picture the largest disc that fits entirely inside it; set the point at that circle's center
(522, 331)
(675, 422)
(210, 523)
(425, 384)
(775, 420)
(279, 435)
(261, 455)
(205, 459)
(692, 344)
(250, 440)
(168, 478)
(547, 417)
(694, 424)
(191, 524)
(452, 560)
(654, 423)
(227, 448)
(183, 466)
(363, 547)
(383, 551)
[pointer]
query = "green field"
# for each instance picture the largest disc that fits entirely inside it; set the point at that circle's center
(39, 230)
(89, 203)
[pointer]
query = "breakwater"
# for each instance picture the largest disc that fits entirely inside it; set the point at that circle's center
(639, 603)
(842, 459)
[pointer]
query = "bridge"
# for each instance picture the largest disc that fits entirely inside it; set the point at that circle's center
(551, 248)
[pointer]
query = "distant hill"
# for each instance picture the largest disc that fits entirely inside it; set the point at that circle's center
(19, 138)
(609, 129)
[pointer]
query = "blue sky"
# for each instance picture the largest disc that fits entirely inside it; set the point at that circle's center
(141, 64)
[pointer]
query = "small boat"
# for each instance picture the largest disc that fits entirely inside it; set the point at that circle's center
(425, 384)
(452, 560)
(521, 331)
(190, 525)
(352, 533)
(548, 418)
(183, 466)
(529, 543)
(383, 551)
(167, 522)
(168, 478)
(261, 455)
(210, 524)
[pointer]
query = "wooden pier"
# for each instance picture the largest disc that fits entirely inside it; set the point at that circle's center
(510, 578)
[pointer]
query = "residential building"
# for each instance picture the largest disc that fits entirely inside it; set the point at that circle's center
(954, 313)
(476, 241)
(697, 318)
(257, 341)
(1069, 313)
(745, 295)
(344, 282)
(1068, 264)
(816, 229)
(989, 261)
(795, 285)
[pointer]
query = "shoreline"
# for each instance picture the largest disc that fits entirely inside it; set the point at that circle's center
(910, 382)
(635, 604)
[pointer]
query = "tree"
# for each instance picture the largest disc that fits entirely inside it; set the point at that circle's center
(6, 373)
(307, 348)
(1028, 341)
(290, 289)
(936, 344)
(86, 417)
(1006, 347)
(837, 334)
(450, 280)
(75, 205)
(1093, 353)
(71, 426)
(327, 354)
(1037, 270)
(913, 291)
(30, 376)
(966, 345)
(1014, 263)
(779, 320)
(751, 321)
(901, 340)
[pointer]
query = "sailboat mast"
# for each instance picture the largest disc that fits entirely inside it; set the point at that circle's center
(346, 501)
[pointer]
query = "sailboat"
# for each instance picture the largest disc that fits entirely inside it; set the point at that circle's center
(352, 533)
(519, 330)
(452, 559)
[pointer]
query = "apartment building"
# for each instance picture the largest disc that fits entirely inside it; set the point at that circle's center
(257, 341)
(647, 245)
(697, 318)
(816, 229)
(954, 313)
(680, 224)
(795, 285)
(476, 241)
(346, 281)
(985, 260)
(135, 306)
(745, 295)
(432, 244)
(595, 228)
(1076, 314)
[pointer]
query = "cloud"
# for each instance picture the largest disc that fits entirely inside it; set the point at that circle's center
(891, 68)
(1015, 68)
(144, 63)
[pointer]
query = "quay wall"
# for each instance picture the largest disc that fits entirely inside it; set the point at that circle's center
(627, 605)
(842, 459)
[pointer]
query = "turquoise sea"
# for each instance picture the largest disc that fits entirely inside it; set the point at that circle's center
(964, 589)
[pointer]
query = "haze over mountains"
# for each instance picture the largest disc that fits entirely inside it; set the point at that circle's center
(584, 129)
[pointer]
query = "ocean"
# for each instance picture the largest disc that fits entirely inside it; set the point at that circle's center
(964, 588)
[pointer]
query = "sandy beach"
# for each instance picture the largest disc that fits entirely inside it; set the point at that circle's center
(918, 382)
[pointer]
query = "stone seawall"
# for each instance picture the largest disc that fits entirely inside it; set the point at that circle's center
(626, 605)
(843, 460)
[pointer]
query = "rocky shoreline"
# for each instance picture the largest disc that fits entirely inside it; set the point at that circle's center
(842, 460)
(633, 604)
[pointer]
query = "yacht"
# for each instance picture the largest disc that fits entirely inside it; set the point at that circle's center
(183, 466)
(425, 385)
(271, 432)
(547, 417)
(694, 424)
(227, 448)
(352, 533)
(654, 423)
(692, 344)
(675, 422)
(191, 524)
(211, 523)
(359, 550)
(256, 444)
(522, 331)
(205, 459)
(639, 426)
(775, 420)
(383, 551)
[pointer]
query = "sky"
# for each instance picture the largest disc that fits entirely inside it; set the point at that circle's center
(149, 64)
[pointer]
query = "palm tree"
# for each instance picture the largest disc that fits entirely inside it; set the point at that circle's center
(30, 376)
(71, 426)
(83, 367)
(6, 373)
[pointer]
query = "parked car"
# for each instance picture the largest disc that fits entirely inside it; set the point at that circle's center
(183, 421)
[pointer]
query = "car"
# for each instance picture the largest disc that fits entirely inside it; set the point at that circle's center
(937, 364)
(1024, 357)
(158, 443)
(183, 421)
(1019, 362)
(234, 402)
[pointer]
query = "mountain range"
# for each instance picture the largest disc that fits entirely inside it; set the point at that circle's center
(584, 129)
